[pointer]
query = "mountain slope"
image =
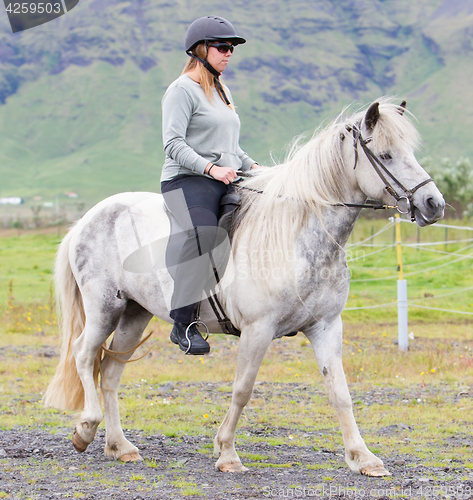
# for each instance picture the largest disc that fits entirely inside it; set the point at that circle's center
(81, 95)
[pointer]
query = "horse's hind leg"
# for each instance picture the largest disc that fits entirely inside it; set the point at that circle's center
(127, 335)
(327, 344)
(252, 348)
(86, 351)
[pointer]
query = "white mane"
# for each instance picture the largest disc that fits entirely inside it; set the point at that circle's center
(312, 177)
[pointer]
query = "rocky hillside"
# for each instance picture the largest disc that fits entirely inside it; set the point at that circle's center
(80, 96)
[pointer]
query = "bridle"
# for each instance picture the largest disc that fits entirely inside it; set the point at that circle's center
(383, 173)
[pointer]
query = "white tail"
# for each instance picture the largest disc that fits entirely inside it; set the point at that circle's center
(65, 391)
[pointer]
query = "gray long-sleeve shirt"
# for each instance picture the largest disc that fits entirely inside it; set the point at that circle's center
(197, 131)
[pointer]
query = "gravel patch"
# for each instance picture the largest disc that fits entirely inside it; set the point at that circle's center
(43, 465)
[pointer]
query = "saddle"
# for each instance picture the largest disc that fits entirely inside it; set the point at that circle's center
(229, 206)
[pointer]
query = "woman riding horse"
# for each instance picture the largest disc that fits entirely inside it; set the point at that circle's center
(201, 139)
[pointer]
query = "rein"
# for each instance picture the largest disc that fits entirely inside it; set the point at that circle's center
(374, 206)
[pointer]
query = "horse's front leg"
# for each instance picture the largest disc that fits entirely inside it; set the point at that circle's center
(254, 342)
(326, 341)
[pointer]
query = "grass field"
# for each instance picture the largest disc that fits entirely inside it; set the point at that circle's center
(436, 373)
(436, 264)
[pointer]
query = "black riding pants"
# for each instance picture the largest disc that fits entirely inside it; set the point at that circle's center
(194, 202)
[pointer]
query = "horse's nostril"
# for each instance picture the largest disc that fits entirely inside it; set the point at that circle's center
(431, 203)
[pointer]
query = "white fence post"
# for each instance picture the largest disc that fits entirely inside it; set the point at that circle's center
(402, 320)
(403, 338)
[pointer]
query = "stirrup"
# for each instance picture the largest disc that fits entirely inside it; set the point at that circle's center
(198, 321)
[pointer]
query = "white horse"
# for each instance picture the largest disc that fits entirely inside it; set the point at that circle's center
(287, 273)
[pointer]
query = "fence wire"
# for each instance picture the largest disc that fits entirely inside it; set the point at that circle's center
(421, 247)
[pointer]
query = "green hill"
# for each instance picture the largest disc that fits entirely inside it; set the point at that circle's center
(80, 96)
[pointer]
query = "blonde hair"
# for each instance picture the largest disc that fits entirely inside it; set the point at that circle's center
(206, 78)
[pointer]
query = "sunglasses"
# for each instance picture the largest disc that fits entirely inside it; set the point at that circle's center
(223, 47)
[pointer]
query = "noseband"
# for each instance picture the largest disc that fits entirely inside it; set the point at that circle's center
(383, 173)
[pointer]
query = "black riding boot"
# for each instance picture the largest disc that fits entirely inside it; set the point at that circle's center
(182, 334)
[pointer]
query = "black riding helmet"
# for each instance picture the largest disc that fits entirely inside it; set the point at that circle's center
(210, 28)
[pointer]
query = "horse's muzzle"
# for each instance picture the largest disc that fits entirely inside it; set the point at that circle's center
(430, 210)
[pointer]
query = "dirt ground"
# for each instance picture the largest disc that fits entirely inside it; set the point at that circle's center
(44, 465)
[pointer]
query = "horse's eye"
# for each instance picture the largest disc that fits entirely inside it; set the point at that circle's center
(385, 156)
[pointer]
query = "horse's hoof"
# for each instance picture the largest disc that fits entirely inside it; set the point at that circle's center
(79, 444)
(131, 457)
(232, 467)
(375, 471)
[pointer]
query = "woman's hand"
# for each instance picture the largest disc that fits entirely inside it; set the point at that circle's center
(223, 174)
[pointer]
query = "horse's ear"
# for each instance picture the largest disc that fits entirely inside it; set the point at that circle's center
(372, 116)
(402, 107)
